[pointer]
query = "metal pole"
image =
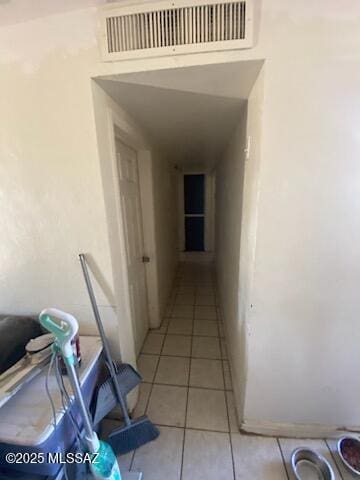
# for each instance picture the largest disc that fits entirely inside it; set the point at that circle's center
(104, 339)
(75, 385)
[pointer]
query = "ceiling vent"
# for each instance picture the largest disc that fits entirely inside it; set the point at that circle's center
(169, 28)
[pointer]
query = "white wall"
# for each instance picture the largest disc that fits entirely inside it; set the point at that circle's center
(250, 195)
(55, 203)
(300, 304)
(52, 204)
(303, 333)
(166, 227)
(229, 204)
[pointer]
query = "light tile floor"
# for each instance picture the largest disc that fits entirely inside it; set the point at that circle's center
(187, 392)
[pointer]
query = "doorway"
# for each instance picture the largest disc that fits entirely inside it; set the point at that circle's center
(128, 172)
(194, 212)
(198, 150)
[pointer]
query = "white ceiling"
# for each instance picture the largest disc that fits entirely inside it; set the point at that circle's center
(233, 80)
(191, 112)
(193, 128)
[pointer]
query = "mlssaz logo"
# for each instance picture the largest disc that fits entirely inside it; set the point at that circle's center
(72, 457)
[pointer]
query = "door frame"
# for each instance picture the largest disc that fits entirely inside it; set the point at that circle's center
(140, 322)
(126, 133)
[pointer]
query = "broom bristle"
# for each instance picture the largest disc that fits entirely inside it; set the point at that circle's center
(127, 438)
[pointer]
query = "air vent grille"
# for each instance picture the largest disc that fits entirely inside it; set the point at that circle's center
(175, 27)
(179, 26)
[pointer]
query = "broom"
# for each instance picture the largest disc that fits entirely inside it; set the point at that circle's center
(135, 432)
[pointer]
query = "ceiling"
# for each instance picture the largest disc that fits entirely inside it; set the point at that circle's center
(193, 128)
(192, 112)
(233, 80)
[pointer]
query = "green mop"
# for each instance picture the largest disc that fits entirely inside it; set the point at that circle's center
(64, 327)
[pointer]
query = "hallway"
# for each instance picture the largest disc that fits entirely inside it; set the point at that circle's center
(187, 392)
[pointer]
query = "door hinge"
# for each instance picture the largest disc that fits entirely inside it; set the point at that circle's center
(145, 259)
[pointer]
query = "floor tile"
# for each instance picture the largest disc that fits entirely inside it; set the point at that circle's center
(227, 375)
(205, 300)
(233, 422)
(206, 328)
(186, 289)
(191, 327)
(107, 426)
(207, 410)
(147, 365)
(257, 458)
(206, 347)
(181, 326)
(185, 299)
(184, 282)
(153, 343)
(144, 394)
(224, 354)
(221, 329)
(172, 296)
(124, 461)
(173, 370)
(178, 345)
(288, 445)
(182, 311)
(163, 327)
(161, 459)
(207, 456)
(206, 373)
(205, 280)
(205, 290)
(205, 312)
(167, 405)
(332, 445)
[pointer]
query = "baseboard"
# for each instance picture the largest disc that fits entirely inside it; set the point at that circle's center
(295, 430)
(206, 257)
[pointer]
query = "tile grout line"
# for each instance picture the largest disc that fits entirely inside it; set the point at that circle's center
(157, 367)
(187, 396)
(155, 373)
(153, 379)
(151, 388)
(228, 419)
(195, 429)
(334, 458)
(226, 400)
(184, 334)
(185, 385)
(283, 458)
(172, 355)
(132, 460)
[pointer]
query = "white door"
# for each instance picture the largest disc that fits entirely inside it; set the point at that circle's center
(131, 209)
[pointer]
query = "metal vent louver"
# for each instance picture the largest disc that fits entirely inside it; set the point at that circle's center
(169, 28)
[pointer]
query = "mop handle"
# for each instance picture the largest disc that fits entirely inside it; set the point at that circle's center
(109, 361)
(96, 312)
(64, 327)
(90, 435)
